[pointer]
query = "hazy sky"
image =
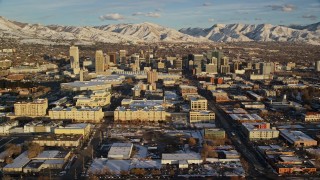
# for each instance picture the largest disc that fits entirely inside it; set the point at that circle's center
(171, 13)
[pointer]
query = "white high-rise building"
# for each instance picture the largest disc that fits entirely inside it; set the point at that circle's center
(136, 59)
(74, 56)
(100, 61)
(74, 59)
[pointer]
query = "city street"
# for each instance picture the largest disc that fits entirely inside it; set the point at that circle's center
(259, 167)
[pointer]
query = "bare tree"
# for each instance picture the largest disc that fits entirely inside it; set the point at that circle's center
(192, 141)
(34, 149)
(13, 149)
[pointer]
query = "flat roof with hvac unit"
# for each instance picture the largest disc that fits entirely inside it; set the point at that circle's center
(120, 151)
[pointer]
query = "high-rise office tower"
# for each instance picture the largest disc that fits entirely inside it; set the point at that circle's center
(225, 61)
(257, 66)
(107, 61)
(190, 64)
(81, 74)
(212, 68)
(152, 76)
(122, 56)
(317, 66)
(100, 61)
(267, 68)
(113, 57)
(218, 55)
(135, 58)
(142, 54)
(177, 63)
(225, 69)
(248, 65)
(197, 63)
(74, 59)
(213, 60)
(224, 66)
(236, 65)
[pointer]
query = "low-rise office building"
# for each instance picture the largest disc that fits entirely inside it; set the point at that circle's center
(18, 163)
(40, 127)
(311, 117)
(146, 114)
(261, 76)
(233, 110)
(182, 159)
(201, 116)
(52, 159)
(33, 109)
(112, 79)
(83, 114)
(253, 105)
(220, 96)
(297, 138)
(256, 131)
(246, 118)
(198, 103)
(58, 140)
(6, 126)
(140, 110)
(82, 129)
(188, 90)
(284, 161)
(214, 133)
(255, 96)
(85, 86)
(96, 99)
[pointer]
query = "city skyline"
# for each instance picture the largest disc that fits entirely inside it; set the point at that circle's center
(174, 13)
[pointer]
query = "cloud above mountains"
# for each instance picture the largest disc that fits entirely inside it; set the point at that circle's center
(149, 14)
(283, 8)
(310, 17)
(112, 16)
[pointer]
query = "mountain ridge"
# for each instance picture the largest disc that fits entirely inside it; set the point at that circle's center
(258, 32)
(151, 32)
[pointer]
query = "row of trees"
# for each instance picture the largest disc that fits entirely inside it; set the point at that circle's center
(13, 150)
(134, 171)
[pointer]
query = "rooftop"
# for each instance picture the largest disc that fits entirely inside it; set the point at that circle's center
(37, 101)
(60, 108)
(290, 159)
(19, 161)
(182, 86)
(78, 84)
(246, 117)
(120, 149)
(52, 154)
(57, 137)
(293, 136)
(182, 156)
(77, 126)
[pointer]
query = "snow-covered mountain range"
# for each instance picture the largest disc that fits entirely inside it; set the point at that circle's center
(149, 32)
(144, 32)
(261, 32)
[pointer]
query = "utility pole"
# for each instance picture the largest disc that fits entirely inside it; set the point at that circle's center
(49, 173)
(100, 137)
(82, 162)
(92, 152)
